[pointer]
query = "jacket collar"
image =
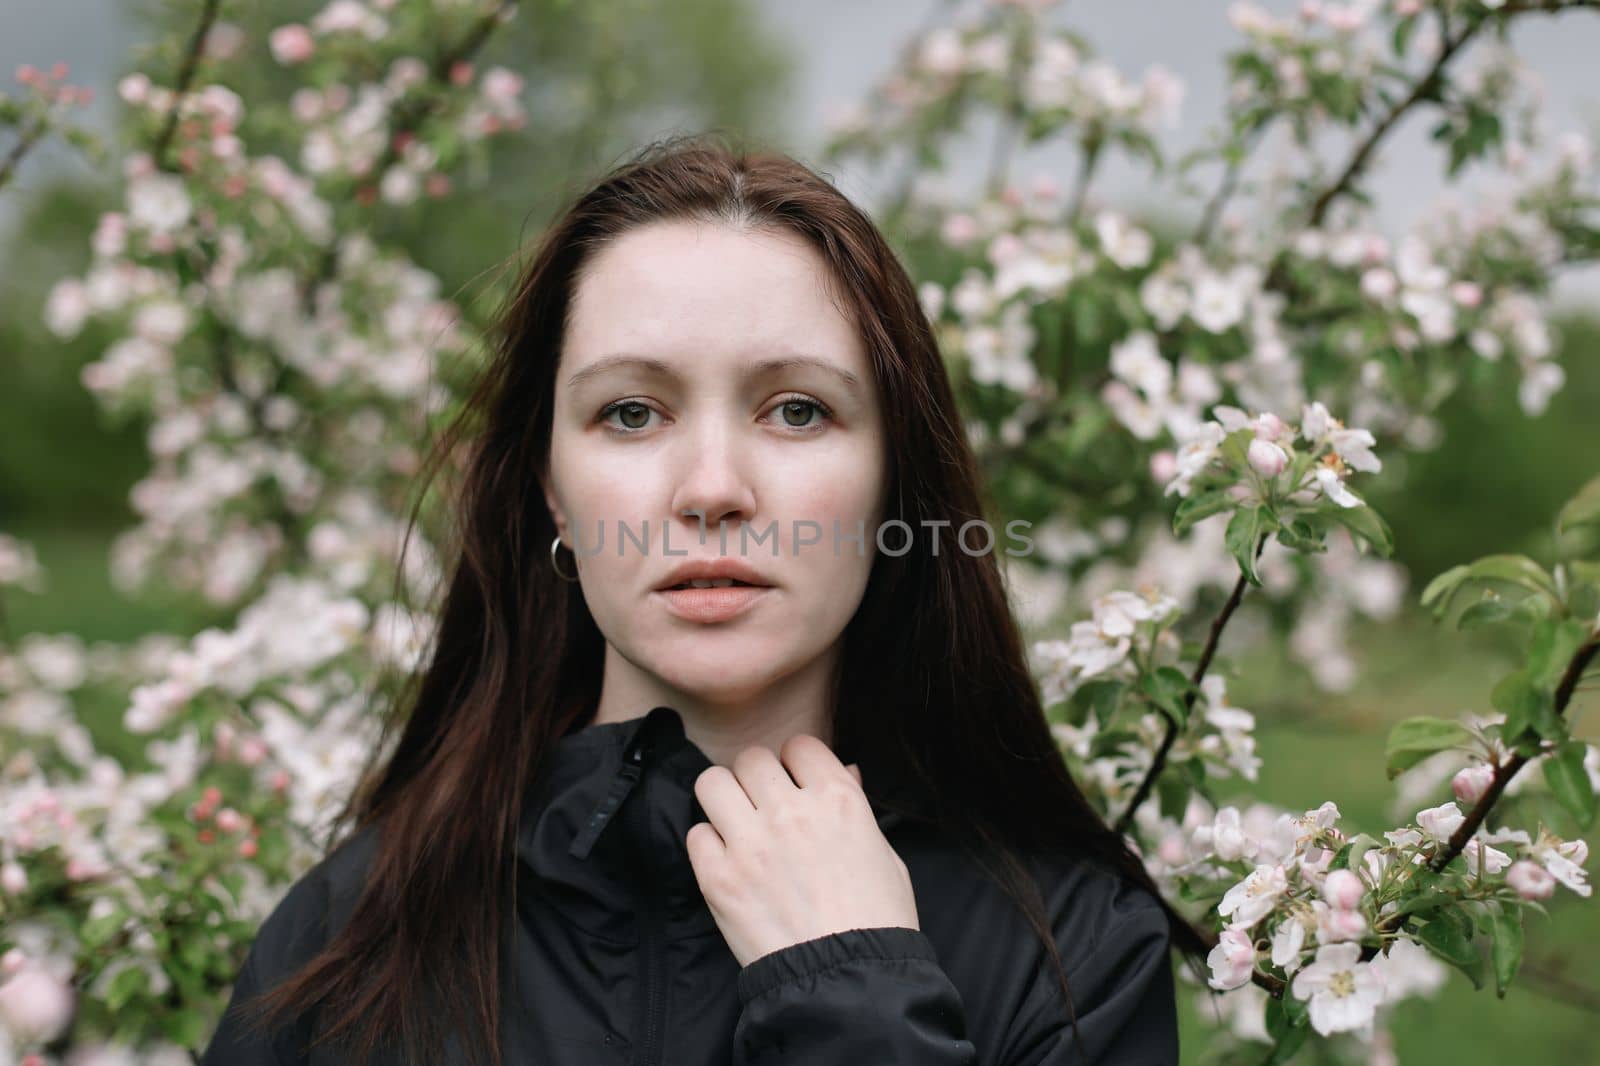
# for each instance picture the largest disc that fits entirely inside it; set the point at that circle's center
(603, 831)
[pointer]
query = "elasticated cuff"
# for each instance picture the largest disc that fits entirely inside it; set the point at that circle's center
(809, 957)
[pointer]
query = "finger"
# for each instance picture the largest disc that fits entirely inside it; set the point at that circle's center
(725, 802)
(809, 761)
(705, 847)
(763, 777)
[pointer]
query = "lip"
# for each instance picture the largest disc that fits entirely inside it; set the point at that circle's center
(712, 605)
(712, 569)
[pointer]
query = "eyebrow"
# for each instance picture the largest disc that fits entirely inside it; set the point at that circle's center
(761, 369)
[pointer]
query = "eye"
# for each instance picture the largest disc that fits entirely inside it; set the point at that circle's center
(634, 414)
(803, 412)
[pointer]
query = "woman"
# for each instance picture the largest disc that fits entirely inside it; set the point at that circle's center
(817, 817)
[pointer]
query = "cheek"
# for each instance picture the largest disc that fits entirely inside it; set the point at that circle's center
(847, 484)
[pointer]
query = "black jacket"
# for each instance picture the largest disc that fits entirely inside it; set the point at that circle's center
(616, 959)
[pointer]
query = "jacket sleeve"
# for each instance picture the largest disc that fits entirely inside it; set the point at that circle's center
(291, 934)
(880, 996)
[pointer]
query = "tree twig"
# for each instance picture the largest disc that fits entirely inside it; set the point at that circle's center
(1423, 87)
(406, 120)
(29, 136)
(191, 63)
(1508, 769)
(1125, 820)
(1212, 214)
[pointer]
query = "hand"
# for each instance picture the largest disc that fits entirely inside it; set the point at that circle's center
(786, 860)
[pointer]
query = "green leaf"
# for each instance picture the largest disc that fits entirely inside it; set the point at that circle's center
(1287, 1034)
(1167, 688)
(1100, 697)
(1367, 524)
(1582, 510)
(1521, 702)
(125, 985)
(1302, 536)
(1583, 599)
(1414, 739)
(1402, 34)
(1200, 505)
(1490, 609)
(1357, 847)
(1553, 646)
(1506, 947)
(184, 1026)
(1443, 587)
(1425, 902)
(97, 931)
(1445, 939)
(1244, 530)
(1172, 793)
(1516, 570)
(1569, 781)
(1235, 448)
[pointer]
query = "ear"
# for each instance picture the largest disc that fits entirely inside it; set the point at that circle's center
(556, 513)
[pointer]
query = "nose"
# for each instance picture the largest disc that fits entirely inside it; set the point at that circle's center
(713, 487)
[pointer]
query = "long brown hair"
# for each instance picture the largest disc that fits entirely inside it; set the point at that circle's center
(933, 686)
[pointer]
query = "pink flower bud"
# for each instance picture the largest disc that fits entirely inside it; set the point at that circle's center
(1335, 924)
(1267, 459)
(1472, 782)
(1379, 284)
(252, 750)
(35, 1006)
(1233, 959)
(1269, 426)
(1466, 293)
(292, 44)
(1530, 880)
(959, 229)
(13, 878)
(1163, 466)
(248, 849)
(1343, 889)
(229, 820)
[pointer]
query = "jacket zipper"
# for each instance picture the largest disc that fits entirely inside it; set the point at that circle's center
(627, 777)
(654, 978)
(635, 759)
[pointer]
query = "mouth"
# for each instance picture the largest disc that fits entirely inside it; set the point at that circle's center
(705, 602)
(714, 583)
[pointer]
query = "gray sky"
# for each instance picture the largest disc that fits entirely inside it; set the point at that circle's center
(844, 46)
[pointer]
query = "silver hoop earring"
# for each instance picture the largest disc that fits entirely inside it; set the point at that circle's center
(556, 566)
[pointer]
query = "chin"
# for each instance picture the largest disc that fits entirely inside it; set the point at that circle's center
(724, 672)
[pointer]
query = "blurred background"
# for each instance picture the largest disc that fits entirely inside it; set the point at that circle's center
(779, 70)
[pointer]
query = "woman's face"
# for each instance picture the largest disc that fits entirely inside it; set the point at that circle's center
(706, 369)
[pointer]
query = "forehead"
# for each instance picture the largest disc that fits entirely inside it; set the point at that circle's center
(707, 290)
